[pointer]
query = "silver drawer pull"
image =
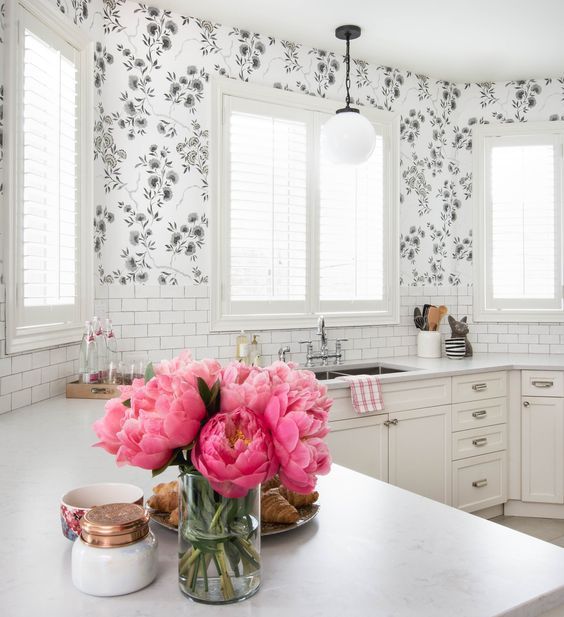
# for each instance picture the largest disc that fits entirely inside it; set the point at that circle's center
(539, 383)
(479, 414)
(478, 387)
(480, 483)
(482, 441)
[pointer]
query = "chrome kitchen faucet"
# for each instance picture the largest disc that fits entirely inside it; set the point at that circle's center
(323, 354)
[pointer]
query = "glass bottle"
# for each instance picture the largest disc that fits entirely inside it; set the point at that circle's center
(102, 349)
(115, 374)
(88, 357)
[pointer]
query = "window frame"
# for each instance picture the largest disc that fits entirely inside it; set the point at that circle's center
(219, 165)
(21, 337)
(484, 309)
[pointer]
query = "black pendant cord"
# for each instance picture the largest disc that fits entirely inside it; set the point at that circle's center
(347, 33)
(348, 69)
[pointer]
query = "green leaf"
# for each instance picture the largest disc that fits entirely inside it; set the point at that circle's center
(204, 391)
(149, 372)
(126, 403)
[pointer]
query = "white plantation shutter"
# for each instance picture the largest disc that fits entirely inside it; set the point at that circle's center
(351, 238)
(268, 207)
(523, 261)
(296, 235)
(49, 200)
(49, 177)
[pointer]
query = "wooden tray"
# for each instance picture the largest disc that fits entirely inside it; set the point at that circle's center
(92, 390)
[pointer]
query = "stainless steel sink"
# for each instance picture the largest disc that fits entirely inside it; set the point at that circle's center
(380, 369)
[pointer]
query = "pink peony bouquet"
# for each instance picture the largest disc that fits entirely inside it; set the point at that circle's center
(238, 426)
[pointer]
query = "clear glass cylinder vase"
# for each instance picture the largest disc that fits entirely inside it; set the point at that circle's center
(219, 542)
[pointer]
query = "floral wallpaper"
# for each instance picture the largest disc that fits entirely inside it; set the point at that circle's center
(151, 143)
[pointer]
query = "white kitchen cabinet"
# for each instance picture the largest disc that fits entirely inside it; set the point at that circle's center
(361, 444)
(542, 449)
(412, 436)
(420, 452)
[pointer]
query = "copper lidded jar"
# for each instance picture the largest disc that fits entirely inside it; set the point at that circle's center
(116, 552)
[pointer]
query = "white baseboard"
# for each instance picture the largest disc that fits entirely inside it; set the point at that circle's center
(539, 510)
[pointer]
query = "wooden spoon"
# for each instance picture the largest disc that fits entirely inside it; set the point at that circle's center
(433, 318)
(443, 311)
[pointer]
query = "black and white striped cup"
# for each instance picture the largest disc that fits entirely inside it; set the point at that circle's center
(455, 347)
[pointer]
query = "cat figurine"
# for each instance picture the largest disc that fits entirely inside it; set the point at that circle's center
(459, 329)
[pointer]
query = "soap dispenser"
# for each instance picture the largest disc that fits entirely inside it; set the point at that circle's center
(242, 348)
(254, 352)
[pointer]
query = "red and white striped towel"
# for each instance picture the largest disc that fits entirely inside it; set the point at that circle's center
(366, 393)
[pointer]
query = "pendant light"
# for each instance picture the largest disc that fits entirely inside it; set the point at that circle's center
(347, 137)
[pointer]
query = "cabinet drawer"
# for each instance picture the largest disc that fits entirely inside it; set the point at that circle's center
(479, 386)
(479, 482)
(542, 383)
(486, 413)
(479, 441)
(418, 394)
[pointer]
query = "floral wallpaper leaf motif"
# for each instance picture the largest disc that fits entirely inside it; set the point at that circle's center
(391, 88)
(291, 55)
(101, 59)
(102, 218)
(248, 56)
(525, 97)
(107, 151)
(326, 67)
(487, 94)
(112, 15)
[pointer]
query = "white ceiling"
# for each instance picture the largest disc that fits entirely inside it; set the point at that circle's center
(457, 40)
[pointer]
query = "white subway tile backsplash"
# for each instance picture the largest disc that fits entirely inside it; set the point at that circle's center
(157, 322)
(10, 383)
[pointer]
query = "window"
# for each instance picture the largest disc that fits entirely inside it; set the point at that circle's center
(295, 235)
(519, 259)
(48, 243)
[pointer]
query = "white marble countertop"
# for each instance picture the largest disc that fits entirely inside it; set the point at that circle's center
(424, 368)
(373, 550)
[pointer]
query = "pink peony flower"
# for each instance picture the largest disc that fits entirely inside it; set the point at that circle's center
(234, 453)
(298, 442)
(108, 426)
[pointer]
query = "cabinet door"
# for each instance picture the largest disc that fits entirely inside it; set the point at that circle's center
(361, 444)
(543, 449)
(420, 452)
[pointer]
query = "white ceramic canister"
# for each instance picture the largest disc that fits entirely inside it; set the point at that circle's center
(116, 552)
(428, 344)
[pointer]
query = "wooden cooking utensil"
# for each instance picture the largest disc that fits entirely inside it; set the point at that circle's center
(443, 311)
(433, 318)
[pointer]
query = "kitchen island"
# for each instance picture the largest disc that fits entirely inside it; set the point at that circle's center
(374, 549)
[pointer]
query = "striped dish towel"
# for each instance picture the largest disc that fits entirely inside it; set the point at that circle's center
(366, 393)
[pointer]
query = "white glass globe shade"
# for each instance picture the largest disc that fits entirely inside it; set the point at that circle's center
(348, 138)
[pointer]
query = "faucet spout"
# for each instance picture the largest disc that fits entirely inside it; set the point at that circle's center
(322, 332)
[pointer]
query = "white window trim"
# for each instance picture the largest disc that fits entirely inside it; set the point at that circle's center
(480, 292)
(218, 161)
(20, 339)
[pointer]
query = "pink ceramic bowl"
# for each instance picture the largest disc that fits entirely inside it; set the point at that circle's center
(77, 502)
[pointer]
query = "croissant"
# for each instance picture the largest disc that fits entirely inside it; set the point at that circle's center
(274, 482)
(297, 499)
(275, 509)
(173, 518)
(164, 502)
(165, 487)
